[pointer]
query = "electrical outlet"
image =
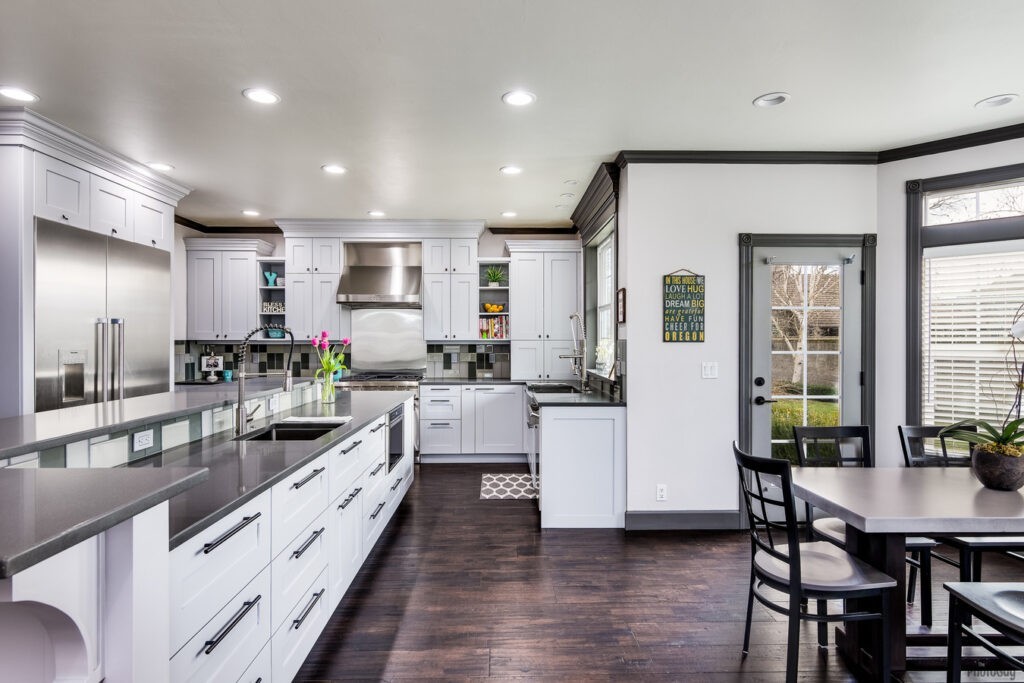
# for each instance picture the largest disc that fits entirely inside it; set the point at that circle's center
(273, 403)
(142, 440)
(662, 492)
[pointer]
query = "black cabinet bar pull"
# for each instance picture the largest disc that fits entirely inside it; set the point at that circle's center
(397, 484)
(211, 645)
(380, 506)
(376, 470)
(309, 608)
(351, 497)
(246, 521)
(377, 427)
(305, 546)
(351, 448)
(440, 388)
(312, 475)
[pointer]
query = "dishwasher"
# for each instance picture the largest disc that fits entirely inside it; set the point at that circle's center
(533, 441)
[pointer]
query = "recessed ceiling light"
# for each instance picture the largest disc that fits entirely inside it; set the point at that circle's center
(375, 214)
(508, 214)
(570, 182)
(772, 99)
(561, 206)
(567, 195)
(262, 95)
(16, 93)
(510, 170)
(251, 213)
(996, 100)
(160, 166)
(519, 98)
(336, 169)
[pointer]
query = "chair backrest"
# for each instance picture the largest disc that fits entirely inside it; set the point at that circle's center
(917, 453)
(848, 446)
(767, 486)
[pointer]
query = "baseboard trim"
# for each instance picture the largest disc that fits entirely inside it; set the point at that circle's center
(470, 458)
(711, 520)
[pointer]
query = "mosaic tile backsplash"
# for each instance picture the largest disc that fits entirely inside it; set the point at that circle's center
(262, 357)
(468, 361)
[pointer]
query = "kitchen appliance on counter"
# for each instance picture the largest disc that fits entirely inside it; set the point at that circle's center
(102, 318)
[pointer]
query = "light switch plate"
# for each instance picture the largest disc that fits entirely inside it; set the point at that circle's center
(142, 440)
(709, 369)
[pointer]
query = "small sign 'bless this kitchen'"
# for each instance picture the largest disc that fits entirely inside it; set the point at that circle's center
(683, 307)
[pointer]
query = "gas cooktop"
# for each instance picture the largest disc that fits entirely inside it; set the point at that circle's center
(380, 380)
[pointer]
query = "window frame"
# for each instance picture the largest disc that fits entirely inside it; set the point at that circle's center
(921, 236)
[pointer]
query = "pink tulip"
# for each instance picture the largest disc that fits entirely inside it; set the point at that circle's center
(323, 335)
(316, 343)
(345, 341)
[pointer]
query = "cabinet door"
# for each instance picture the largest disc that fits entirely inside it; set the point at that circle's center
(111, 208)
(203, 297)
(298, 255)
(436, 306)
(499, 419)
(527, 360)
(325, 306)
(61, 192)
(437, 256)
(465, 304)
(561, 293)
(526, 296)
(154, 222)
(468, 436)
(326, 255)
(238, 315)
(347, 539)
(298, 310)
(555, 367)
(462, 258)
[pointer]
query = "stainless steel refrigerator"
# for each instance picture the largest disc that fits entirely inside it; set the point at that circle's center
(102, 317)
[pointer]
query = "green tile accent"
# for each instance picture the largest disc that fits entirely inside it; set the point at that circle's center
(52, 457)
(195, 427)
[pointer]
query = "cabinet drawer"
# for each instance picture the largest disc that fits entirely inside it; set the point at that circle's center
(301, 627)
(295, 569)
(373, 446)
(226, 645)
(61, 191)
(396, 485)
(375, 516)
(260, 671)
(344, 466)
(376, 473)
(209, 569)
(440, 436)
(346, 519)
(441, 405)
(297, 501)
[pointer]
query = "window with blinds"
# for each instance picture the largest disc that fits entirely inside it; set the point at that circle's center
(605, 295)
(970, 296)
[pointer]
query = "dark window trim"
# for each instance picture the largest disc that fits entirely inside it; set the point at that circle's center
(920, 236)
(748, 242)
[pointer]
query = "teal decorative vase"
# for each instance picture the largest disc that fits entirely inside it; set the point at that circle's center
(271, 277)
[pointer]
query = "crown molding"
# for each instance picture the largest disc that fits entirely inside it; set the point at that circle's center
(626, 157)
(261, 247)
(515, 246)
(23, 127)
(984, 137)
(379, 229)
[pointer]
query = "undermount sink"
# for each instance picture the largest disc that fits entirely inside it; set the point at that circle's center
(293, 431)
(552, 388)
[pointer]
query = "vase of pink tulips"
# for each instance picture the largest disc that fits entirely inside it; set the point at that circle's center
(332, 360)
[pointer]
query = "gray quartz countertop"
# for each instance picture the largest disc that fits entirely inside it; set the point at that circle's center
(463, 380)
(592, 399)
(38, 431)
(241, 470)
(45, 511)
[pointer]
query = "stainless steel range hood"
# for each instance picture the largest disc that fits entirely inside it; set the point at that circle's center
(381, 275)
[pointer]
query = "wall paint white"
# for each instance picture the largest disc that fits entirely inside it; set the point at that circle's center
(689, 216)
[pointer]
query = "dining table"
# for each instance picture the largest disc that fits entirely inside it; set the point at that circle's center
(881, 506)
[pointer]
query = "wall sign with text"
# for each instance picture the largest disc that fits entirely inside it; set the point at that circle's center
(683, 307)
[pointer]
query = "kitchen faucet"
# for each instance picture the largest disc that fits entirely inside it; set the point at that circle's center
(241, 418)
(578, 357)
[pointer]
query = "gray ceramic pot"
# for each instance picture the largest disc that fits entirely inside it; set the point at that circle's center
(997, 471)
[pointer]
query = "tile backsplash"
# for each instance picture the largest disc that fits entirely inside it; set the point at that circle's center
(468, 361)
(262, 357)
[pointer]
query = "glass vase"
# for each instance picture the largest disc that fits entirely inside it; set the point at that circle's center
(327, 390)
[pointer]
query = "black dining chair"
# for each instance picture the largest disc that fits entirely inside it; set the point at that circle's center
(805, 571)
(919, 451)
(995, 604)
(850, 446)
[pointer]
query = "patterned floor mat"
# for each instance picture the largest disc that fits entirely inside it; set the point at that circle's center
(506, 487)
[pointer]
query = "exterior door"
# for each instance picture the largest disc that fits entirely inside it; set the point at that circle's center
(805, 342)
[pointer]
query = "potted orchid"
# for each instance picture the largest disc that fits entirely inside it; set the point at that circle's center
(332, 361)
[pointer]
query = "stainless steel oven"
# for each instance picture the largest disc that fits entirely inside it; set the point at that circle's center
(396, 436)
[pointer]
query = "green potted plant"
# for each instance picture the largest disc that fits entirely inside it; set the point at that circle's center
(996, 454)
(495, 276)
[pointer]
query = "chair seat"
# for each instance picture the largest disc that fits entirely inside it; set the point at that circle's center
(1001, 604)
(985, 542)
(824, 568)
(834, 530)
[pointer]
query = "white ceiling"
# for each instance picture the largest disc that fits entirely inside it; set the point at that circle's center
(405, 93)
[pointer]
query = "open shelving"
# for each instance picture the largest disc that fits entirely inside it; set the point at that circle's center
(494, 324)
(271, 299)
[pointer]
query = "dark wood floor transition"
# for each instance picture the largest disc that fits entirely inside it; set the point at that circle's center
(460, 588)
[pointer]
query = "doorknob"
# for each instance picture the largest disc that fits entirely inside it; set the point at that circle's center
(761, 400)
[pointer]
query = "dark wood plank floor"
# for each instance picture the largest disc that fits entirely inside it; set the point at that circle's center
(458, 588)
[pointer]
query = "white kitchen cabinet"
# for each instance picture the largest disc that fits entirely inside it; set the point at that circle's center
(302, 626)
(203, 301)
(539, 360)
(154, 222)
(298, 312)
(61, 191)
(239, 294)
(295, 568)
(543, 292)
(450, 304)
(456, 255)
(222, 294)
(526, 295)
(111, 208)
(296, 502)
(440, 436)
(261, 669)
(492, 418)
(561, 293)
(346, 526)
(311, 306)
(313, 255)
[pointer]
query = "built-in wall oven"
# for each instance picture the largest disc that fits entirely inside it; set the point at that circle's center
(396, 435)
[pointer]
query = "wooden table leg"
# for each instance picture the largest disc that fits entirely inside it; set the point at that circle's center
(886, 552)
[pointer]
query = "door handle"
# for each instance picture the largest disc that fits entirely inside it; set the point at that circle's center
(120, 356)
(102, 356)
(761, 400)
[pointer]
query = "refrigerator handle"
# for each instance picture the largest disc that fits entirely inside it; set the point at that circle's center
(101, 355)
(120, 356)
